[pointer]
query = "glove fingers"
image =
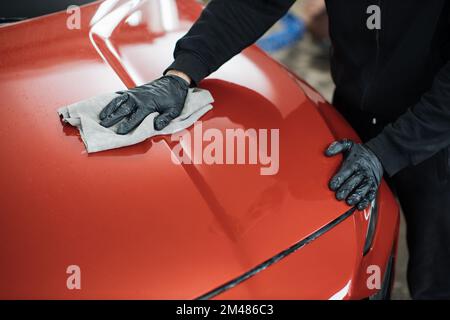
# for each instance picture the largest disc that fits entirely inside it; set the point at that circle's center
(162, 120)
(371, 195)
(112, 106)
(338, 147)
(343, 174)
(363, 204)
(359, 193)
(124, 110)
(132, 122)
(348, 186)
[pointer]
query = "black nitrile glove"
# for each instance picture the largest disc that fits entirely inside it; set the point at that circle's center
(165, 95)
(360, 174)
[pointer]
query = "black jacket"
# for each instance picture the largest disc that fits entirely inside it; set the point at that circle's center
(400, 73)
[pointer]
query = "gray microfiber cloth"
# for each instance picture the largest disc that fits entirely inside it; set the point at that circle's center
(84, 116)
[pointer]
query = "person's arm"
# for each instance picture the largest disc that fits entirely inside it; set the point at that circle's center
(224, 29)
(420, 132)
(414, 137)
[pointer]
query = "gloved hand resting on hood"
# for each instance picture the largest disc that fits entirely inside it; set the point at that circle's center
(359, 176)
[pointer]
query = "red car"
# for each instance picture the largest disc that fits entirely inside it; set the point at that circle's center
(130, 223)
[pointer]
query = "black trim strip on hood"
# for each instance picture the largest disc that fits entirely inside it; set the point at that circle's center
(283, 254)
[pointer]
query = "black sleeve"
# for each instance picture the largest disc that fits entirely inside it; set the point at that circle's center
(224, 29)
(420, 132)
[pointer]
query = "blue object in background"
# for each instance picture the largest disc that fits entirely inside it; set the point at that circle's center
(293, 29)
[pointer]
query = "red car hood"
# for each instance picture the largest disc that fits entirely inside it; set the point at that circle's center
(137, 224)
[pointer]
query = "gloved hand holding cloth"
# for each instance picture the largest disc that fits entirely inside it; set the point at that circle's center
(165, 95)
(164, 106)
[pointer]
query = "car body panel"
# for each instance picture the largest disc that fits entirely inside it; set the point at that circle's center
(137, 224)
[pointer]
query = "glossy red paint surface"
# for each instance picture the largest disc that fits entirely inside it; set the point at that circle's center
(140, 226)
